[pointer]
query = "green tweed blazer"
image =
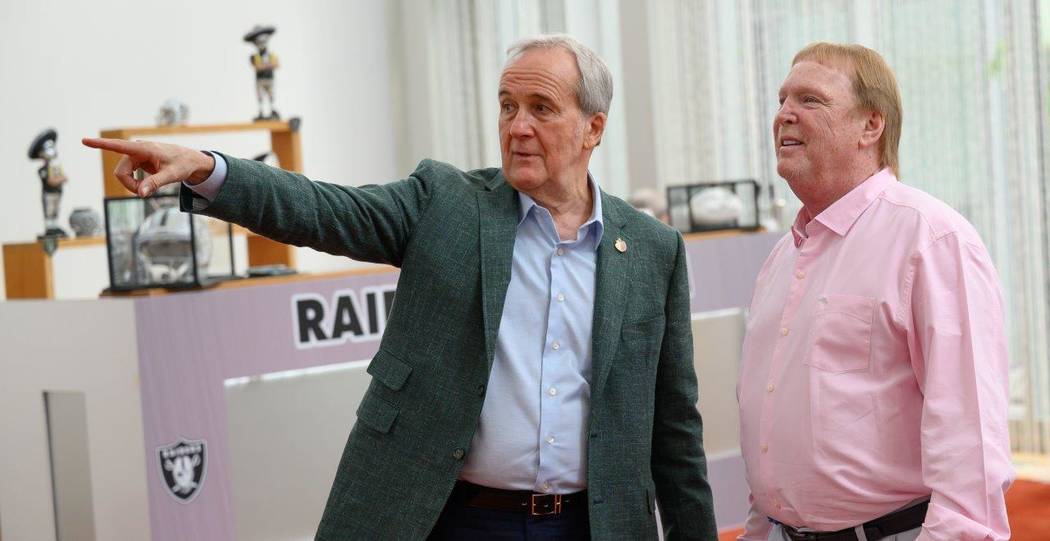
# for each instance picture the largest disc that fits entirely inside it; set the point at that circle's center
(452, 235)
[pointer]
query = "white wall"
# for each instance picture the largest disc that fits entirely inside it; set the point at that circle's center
(97, 355)
(302, 423)
(85, 66)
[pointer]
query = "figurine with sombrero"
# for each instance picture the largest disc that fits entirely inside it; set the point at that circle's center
(51, 177)
(264, 62)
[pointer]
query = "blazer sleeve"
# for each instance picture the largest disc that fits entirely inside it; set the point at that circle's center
(369, 223)
(678, 463)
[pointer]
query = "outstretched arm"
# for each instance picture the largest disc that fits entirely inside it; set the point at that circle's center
(368, 223)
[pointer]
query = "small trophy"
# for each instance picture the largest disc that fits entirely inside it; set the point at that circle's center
(51, 178)
(264, 62)
(173, 112)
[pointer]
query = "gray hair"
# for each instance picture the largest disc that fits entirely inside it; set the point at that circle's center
(594, 91)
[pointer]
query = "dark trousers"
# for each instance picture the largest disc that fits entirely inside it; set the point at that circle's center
(459, 522)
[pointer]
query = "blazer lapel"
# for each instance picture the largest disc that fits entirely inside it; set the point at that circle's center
(498, 216)
(610, 293)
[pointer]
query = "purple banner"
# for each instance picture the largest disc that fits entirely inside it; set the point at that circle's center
(190, 343)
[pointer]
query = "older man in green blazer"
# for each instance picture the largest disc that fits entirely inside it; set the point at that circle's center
(535, 379)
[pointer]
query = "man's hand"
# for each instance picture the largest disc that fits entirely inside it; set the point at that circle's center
(164, 163)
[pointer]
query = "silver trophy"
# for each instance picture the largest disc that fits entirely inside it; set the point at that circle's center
(51, 178)
(164, 246)
(173, 112)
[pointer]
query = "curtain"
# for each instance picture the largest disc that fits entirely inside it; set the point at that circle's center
(974, 83)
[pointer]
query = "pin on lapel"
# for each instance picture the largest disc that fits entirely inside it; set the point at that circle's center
(620, 245)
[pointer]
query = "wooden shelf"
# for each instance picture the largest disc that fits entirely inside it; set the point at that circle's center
(279, 126)
(706, 235)
(27, 267)
(255, 282)
(284, 141)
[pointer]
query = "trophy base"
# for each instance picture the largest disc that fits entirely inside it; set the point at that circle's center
(272, 116)
(54, 232)
(49, 239)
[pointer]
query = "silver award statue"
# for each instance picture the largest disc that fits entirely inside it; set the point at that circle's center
(264, 62)
(51, 178)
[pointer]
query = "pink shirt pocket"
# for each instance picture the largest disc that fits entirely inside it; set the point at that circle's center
(839, 357)
(840, 334)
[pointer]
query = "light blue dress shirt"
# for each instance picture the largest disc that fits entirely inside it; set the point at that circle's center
(532, 434)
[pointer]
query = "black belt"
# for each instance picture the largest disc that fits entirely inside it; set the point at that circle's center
(517, 500)
(894, 523)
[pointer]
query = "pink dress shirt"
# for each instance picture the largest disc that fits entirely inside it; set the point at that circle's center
(874, 371)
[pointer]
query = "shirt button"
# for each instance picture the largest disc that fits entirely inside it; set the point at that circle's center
(560, 251)
(550, 440)
(784, 331)
(800, 275)
(555, 346)
(458, 454)
(561, 298)
(769, 388)
(765, 449)
(552, 391)
(546, 486)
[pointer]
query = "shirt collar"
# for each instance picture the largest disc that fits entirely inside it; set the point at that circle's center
(840, 216)
(594, 223)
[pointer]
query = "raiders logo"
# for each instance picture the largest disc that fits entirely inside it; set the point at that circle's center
(183, 466)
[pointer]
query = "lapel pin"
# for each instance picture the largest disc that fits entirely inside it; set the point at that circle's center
(620, 245)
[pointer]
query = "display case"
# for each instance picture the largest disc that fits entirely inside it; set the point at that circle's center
(285, 142)
(714, 206)
(151, 243)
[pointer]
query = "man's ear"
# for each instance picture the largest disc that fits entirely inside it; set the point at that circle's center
(873, 125)
(595, 130)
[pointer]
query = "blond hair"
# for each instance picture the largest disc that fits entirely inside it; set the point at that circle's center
(874, 86)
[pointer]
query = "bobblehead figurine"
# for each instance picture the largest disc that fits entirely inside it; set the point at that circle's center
(51, 177)
(264, 63)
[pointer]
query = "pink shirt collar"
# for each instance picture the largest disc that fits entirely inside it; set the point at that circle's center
(842, 214)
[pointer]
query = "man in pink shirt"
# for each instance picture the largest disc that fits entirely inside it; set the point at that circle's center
(873, 387)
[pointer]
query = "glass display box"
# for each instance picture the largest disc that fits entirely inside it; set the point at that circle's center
(150, 243)
(714, 206)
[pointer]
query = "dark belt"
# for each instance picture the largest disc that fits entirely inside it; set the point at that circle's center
(517, 500)
(894, 523)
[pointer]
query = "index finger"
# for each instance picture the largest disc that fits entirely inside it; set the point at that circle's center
(115, 145)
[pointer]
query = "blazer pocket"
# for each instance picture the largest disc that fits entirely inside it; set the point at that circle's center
(389, 370)
(840, 337)
(376, 413)
(647, 328)
(642, 339)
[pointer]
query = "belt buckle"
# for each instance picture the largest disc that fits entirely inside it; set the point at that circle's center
(796, 535)
(550, 504)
